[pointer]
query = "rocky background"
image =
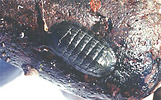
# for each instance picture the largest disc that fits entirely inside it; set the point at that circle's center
(129, 25)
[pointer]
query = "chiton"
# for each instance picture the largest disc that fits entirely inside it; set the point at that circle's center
(82, 50)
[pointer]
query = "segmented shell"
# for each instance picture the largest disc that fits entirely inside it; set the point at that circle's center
(81, 50)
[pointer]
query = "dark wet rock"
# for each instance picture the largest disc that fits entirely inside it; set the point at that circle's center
(133, 31)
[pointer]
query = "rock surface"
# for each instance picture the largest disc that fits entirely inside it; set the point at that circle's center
(132, 29)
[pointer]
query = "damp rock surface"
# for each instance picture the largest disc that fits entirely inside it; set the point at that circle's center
(131, 27)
